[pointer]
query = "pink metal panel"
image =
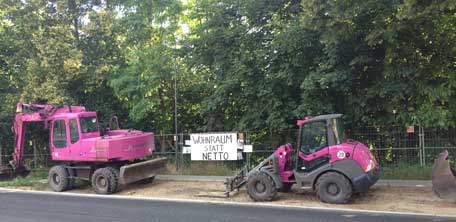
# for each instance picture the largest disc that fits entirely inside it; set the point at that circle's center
(131, 146)
(341, 152)
(118, 147)
(363, 156)
(284, 154)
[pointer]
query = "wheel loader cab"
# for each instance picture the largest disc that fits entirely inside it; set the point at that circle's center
(316, 135)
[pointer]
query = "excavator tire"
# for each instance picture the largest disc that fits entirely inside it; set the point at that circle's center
(104, 181)
(333, 188)
(261, 187)
(115, 183)
(58, 178)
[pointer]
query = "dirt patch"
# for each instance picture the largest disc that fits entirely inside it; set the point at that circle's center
(383, 198)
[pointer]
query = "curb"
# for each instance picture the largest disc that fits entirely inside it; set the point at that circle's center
(388, 183)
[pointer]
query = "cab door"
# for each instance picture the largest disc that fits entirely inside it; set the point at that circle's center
(59, 140)
(313, 146)
(74, 143)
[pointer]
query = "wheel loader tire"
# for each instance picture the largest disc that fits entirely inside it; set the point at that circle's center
(115, 183)
(261, 187)
(58, 178)
(333, 188)
(104, 181)
(286, 187)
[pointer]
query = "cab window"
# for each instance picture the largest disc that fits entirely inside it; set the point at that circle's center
(74, 134)
(88, 124)
(59, 134)
(313, 137)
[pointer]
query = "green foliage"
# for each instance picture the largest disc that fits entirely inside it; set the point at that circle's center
(406, 172)
(239, 65)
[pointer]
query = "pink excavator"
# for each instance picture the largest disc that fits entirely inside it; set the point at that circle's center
(108, 161)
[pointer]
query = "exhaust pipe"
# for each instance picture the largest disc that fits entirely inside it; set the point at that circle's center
(443, 178)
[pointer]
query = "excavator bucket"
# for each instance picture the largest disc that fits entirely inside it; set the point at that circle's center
(143, 170)
(8, 173)
(443, 178)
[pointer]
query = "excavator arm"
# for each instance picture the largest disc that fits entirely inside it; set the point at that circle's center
(24, 113)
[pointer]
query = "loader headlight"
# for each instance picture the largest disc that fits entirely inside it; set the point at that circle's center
(370, 166)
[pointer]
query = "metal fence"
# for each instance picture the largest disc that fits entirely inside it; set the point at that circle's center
(393, 147)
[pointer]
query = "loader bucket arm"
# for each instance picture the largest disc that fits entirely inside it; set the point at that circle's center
(443, 178)
(234, 183)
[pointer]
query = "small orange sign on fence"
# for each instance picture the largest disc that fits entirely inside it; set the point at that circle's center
(411, 129)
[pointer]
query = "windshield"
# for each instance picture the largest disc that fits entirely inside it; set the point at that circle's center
(339, 130)
(88, 124)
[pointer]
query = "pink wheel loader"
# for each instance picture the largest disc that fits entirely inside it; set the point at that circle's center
(325, 161)
(76, 143)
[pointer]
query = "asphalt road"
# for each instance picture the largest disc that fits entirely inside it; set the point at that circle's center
(24, 207)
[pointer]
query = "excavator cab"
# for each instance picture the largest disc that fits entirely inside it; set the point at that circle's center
(68, 132)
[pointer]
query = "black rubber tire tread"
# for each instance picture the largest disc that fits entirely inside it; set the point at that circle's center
(116, 182)
(71, 181)
(109, 177)
(60, 172)
(286, 187)
(270, 191)
(344, 185)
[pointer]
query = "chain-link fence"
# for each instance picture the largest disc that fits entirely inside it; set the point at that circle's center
(394, 147)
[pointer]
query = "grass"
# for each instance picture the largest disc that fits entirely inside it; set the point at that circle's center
(32, 180)
(413, 172)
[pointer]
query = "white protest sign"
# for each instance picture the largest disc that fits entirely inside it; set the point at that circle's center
(214, 146)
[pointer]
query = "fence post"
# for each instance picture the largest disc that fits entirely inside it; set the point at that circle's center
(176, 151)
(247, 155)
(181, 153)
(35, 163)
(1, 154)
(47, 157)
(420, 145)
(423, 144)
